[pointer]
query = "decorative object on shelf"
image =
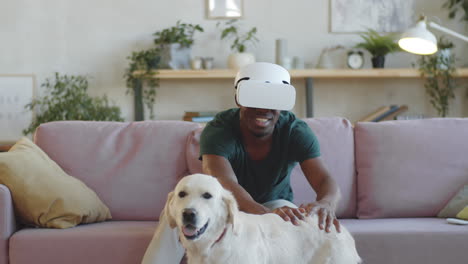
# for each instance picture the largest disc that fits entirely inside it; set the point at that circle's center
(378, 46)
(240, 58)
(175, 44)
(355, 59)
(454, 6)
(207, 63)
(196, 63)
(15, 92)
(67, 99)
(219, 9)
(143, 86)
(440, 84)
(332, 58)
(281, 51)
(419, 40)
(298, 63)
(351, 16)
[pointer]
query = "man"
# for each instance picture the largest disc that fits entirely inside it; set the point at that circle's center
(252, 149)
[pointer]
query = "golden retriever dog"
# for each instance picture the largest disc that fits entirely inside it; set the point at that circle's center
(213, 230)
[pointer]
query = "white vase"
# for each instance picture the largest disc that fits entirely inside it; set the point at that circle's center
(239, 60)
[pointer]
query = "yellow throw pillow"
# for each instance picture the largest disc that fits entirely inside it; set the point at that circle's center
(463, 214)
(456, 204)
(43, 194)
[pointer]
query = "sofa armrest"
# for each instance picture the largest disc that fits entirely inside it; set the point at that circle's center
(7, 222)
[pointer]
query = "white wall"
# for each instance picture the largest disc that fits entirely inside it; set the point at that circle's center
(94, 37)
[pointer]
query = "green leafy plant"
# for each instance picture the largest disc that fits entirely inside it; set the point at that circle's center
(230, 29)
(66, 98)
(141, 77)
(440, 84)
(378, 45)
(181, 33)
(443, 43)
(454, 6)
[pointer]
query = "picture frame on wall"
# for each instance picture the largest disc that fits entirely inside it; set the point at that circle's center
(224, 9)
(354, 16)
(16, 91)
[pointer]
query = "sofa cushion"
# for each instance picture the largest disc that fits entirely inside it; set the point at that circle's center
(408, 240)
(410, 168)
(117, 242)
(456, 204)
(132, 166)
(337, 147)
(43, 194)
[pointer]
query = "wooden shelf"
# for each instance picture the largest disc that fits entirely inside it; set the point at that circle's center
(305, 73)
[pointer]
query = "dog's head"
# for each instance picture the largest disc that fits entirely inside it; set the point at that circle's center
(200, 207)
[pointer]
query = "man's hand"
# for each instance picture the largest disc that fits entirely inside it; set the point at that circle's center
(290, 214)
(326, 214)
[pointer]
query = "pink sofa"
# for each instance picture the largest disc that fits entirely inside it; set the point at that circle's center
(394, 177)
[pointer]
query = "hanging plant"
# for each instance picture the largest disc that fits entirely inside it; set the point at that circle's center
(141, 80)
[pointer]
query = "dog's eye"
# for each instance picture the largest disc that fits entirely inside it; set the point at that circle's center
(182, 194)
(207, 195)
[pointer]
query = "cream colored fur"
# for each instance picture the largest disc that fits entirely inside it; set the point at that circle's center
(250, 239)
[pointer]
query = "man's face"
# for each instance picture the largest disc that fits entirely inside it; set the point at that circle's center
(260, 122)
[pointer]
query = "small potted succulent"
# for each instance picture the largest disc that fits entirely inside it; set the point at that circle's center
(175, 44)
(378, 46)
(240, 42)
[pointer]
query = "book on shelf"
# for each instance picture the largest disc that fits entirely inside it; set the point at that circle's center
(384, 113)
(200, 113)
(198, 119)
(390, 111)
(370, 117)
(392, 116)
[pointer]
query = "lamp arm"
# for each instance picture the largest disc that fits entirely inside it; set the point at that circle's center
(448, 31)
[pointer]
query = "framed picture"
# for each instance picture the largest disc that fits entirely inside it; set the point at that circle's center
(352, 16)
(16, 91)
(224, 9)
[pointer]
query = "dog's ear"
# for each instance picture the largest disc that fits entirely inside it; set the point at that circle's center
(167, 211)
(232, 208)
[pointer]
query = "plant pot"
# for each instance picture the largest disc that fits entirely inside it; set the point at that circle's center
(239, 60)
(378, 61)
(444, 58)
(174, 56)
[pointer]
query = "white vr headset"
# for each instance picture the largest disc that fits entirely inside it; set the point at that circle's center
(265, 85)
(259, 94)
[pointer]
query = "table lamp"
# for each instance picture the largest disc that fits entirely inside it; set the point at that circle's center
(419, 40)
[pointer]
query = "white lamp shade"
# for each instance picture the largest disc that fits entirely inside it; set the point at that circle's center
(418, 40)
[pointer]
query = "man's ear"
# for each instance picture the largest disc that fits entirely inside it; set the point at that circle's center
(167, 211)
(232, 208)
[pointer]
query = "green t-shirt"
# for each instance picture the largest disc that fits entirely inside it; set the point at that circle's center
(268, 179)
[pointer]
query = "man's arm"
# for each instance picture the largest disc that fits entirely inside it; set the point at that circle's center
(328, 193)
(220, 168)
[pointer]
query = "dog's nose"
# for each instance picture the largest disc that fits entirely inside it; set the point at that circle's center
(189, 216)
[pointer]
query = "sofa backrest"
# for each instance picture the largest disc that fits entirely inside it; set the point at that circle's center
(131, 166)
(410, 168)
(336, 140)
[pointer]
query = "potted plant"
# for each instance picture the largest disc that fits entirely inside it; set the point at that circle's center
(454, 6)
(241, 40)
(175, 44)
(439, 81)
(67, 99)
(444, 50)
(378, 46)
(140, 80)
